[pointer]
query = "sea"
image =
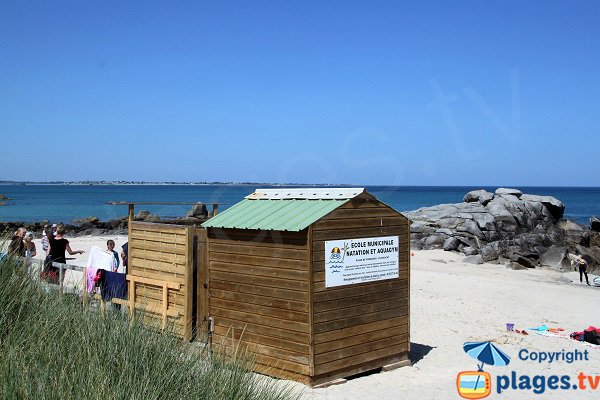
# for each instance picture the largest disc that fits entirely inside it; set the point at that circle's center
(67, 202)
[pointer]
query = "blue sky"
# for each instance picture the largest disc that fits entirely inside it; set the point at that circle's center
(363, 92)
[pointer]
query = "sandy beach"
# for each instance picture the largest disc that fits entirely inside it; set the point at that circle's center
(453, 302)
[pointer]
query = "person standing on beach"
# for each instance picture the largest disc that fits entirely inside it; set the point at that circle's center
(58, 246)
(17, 246)
(583, 270)
(110, 245)
(45, 241)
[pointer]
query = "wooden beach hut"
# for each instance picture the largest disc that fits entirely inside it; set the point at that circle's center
(315, 281)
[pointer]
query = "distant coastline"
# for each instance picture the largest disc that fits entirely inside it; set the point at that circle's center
(144, 183)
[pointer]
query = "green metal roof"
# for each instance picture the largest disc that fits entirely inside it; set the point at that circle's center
(280, 215)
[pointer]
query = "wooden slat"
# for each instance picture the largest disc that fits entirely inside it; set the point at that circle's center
(353, 310)
(361, 358)
(270, 261)
(175, 269)
(285, 303)
(155, 237)
(271, 272)
(370, 346)
(281, 373)
(360, 300)
(156, 274)
(270, 341)
(259, 319)
(252, 249)
(311, 312)
(273, 362)
(170, 248)
(203, 287)
(159, 228)
(361, 337)
(175, 297)
(267, 311)
(249, 244)
(189, 284)
(360, 289)
(153, 255)
(258, 280)
(361, 319)
(154, 282)
(276, 237)
(261, 329)
(254, 348)
(277, 293)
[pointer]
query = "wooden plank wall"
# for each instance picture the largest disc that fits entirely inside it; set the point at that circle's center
(259, 285)
(163, 252)
(359, 326)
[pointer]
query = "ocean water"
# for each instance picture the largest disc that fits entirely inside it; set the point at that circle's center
(64, 203)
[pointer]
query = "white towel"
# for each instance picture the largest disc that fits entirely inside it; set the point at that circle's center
(100, 258)
(97, 259)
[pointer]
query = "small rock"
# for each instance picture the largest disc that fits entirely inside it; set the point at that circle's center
(470, 251)
(475, 259)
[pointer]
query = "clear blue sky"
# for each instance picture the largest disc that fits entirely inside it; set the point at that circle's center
(363, 92)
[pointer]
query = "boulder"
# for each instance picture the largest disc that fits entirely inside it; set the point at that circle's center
(198, 210)
(480, 196)
(555, 206)
(434, 242)
(527, 263)
(507, 191)
(470, 227)
(146, 216)
(451, 244)
(554, 257)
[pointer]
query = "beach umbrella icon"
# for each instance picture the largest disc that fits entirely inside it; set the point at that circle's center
(487, 353)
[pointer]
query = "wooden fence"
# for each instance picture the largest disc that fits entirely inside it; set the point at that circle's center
(163, 253)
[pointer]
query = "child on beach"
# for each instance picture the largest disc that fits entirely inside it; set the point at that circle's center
(110, 245)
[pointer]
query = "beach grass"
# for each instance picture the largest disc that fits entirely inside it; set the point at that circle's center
(52, 347)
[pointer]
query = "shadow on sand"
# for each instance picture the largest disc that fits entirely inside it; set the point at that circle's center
(418, 352)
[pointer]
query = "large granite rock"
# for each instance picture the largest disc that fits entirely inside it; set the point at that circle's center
(507, 225)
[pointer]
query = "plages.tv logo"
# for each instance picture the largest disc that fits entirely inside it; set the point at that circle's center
(478, 384)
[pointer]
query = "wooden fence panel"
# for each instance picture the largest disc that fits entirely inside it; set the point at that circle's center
(164, 253)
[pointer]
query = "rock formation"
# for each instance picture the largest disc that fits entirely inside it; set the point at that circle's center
(527, 230)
